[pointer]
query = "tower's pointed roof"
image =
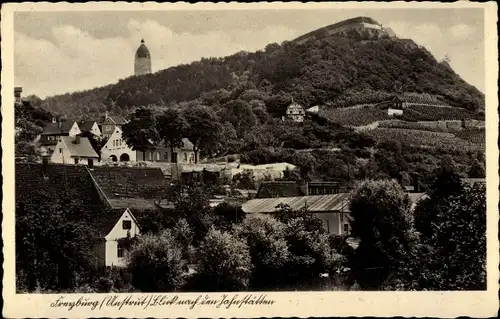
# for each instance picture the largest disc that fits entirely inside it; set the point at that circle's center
(142, 51)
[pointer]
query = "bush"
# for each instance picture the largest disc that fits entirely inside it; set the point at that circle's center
(184, 235)
(156, 263)
(268, 248)
(225, 262)
(310, 250)
(104, 284)
(381, 219)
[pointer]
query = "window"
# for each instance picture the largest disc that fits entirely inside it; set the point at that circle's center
(126, 224)
(185, 157)
(119, 251)
(76, 160)
(346, 228)
(60, 150)
(166, 155)
(113, 143)
(158, 156)
(150, 156)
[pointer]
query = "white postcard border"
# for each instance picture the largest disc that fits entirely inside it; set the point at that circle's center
(300, 304)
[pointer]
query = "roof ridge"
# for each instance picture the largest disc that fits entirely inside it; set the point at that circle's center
(99, 188)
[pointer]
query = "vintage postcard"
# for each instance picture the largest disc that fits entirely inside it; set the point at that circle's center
(250, 160)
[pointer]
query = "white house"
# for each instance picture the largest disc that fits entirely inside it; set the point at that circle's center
(116, 149)
(394, 112)
(295, 112)
(120, 224)
(71, 150)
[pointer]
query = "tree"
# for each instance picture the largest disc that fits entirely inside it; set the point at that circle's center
(156, 263)
(204, 129)
(459, 242)
(56, 246)
(141, 132)
(477, 170)
(225, 262)
(192, 203)
(453, 255)
(309, 247)
(171, 128)
(381, 219)
(268, 248)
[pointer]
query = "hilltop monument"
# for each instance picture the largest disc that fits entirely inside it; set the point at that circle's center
(142, 62)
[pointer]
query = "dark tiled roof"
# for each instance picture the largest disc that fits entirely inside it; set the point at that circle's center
(118, 120)
(86, 126)
(54, 129)
(33, 184)
(108, 219)
(279, 189)
(81, 149)
(126, 187)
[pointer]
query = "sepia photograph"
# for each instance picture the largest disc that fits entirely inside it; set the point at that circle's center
(225, 157)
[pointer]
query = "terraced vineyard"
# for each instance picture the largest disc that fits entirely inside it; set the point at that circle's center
(353, 116)
(364, 115)
(434, 113)
(424, 138)
(473, 136)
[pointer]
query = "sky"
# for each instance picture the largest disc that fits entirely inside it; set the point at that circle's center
(61, 52)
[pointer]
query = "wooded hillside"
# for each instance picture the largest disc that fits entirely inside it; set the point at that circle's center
(335, 72)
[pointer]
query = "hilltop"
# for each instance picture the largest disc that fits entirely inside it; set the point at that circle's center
(320, 68)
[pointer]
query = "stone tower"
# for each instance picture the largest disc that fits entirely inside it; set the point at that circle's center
(142, 62)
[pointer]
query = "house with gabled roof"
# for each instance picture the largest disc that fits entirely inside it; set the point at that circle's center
(126, 193)
(54, 129)
(295, 112)
(107, 124)
(71, 150)
(110, 197)
(89, 126)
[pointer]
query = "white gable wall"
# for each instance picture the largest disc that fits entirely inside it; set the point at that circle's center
(75, 130)
(116, 233)
(95, 129)
(61, 154)
(117, 146)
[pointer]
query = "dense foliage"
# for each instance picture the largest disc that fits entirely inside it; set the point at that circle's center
(56, 240)
(156, 263)
(381, 219)
(452, 252)
(338, 73)
(225, 262)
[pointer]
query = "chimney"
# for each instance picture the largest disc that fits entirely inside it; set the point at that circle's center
(416, 184)
(45, 160)
(53, 120)
(17, 94)
(45, 164)
(77, 139)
